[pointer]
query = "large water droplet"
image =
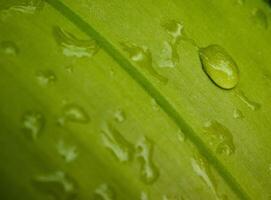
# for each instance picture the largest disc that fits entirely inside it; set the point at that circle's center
(220, 137)
(73, 113)
(148, 170)
(72, 46)
(46, 77)
(68, 153)
(119, 115)
(142, 56)
(9, 48)
(116, 143)
(58, 185)
(251, 104)
(23, 6)
(219, 66)
(201, 167)
(32, 123)
(104, 192)
(260, 18)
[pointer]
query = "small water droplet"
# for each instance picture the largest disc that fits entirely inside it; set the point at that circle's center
(251, 104)
(116, 143)
(58, 185)
(72, 46)
(104, 192)
(46, 77)
(9, 48)
(169, 56)
(148, 170)
(260, 18)
(219, 66)
(68, 153)
(73, 113)
(154, 105)
(69, 68)
(33, 123)
(119, 115)
(26, 7)
(144, 196)
(202, 169)
(237, 114)
(181, 136)
(143, 56)
(220, 137)
(174, 29)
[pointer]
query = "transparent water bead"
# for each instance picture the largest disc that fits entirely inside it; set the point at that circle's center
(33, 123)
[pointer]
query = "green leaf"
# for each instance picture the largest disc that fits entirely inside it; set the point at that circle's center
(109, 100)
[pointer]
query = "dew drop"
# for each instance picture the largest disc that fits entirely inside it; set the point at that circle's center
(46, 77)
(68, 153)
(33, 123)
(116, 143)
(148, 170)
(9, 48)
(143, 56)
(72, 46)
(73, 113)
(260, 18)
(119, 115)
(237, 114)
(219, 66)
(104, 192)
(58, 185)
(202, 169)
(220, 137)
(26, 7)
(250, 104)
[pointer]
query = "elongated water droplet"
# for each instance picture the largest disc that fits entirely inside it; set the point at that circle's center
(142, 56)
(250, 104)
(148, 171)
(237, 114)
(116, 143)
(260, 18)
(72, 46)
(68, 153)
(104, 192)
(22, 6)
(220, 137)
(202, 169)
(58, 185)
(73, 113)
(119, 115)
(9, 48)
(46, 77)
(32, 123)
(219, 66)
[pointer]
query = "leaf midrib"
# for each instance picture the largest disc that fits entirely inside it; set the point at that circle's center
(126, 65)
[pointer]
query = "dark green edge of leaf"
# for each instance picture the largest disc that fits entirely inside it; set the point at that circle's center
(153, 92)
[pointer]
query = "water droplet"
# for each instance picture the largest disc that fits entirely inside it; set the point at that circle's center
(169, 56)
(26, 7)
(33, 123)
(119, 115)
(251, 104)
(73, 113)
(219, 66)
(104, 192)
(202, 169)
(69, 68)
(148, 170)
(46, 77)
(237, 114)
(144, 196)
(220, 137)
(181, 136)
(72, 46)
(154, 105)
(174, 29)
(260, 18)
(143, 57)
(69, 153)
(9, 48)
(58, 185)
(116, 143)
